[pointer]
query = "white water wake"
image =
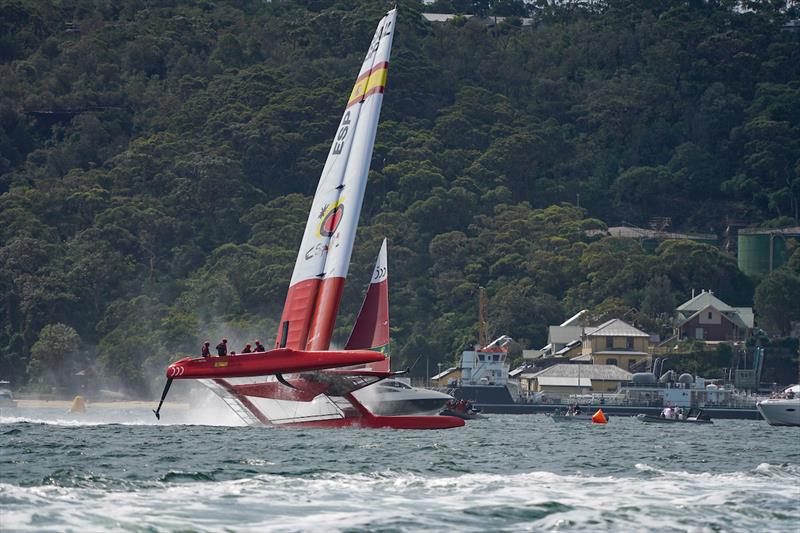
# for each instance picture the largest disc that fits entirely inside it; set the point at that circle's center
(763, 499)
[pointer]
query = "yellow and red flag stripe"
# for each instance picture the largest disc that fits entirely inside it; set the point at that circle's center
(371, 82)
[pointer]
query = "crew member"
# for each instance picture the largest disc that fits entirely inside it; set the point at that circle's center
(259, 347)
(222, 348)
(247, 349)
(206, 352)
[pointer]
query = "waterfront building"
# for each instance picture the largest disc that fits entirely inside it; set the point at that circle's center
(564, 380)
(706, 317)
(616, 343)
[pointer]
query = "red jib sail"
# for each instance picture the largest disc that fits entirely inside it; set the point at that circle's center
(371, 330)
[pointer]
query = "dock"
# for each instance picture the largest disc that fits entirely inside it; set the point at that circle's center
(613, 410)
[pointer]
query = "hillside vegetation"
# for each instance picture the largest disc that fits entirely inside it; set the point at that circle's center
(157, 161)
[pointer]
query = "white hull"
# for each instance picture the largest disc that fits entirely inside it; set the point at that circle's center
(394, 398)
(780, 412)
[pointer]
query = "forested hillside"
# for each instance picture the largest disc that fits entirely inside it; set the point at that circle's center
(158, 160)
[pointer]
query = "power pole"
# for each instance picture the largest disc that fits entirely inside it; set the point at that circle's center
(482, 317)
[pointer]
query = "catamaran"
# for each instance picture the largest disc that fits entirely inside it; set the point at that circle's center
(301, 382)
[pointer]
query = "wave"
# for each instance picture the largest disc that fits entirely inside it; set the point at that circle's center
(141, 419)
(389, 499)
(763, 470)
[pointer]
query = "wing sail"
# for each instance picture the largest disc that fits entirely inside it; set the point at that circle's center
(371, 330)
(320, 269)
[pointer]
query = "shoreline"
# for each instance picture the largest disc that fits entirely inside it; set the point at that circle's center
(127, 404)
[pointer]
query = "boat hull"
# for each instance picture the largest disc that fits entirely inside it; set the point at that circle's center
(280, 360)
(483, 394)
(462, 414)
(392, 398)
(406, 407)
(780, 412)
(387, 422)
(257, 402)
(650, 419)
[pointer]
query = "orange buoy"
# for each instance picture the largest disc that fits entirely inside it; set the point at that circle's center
(599, 417)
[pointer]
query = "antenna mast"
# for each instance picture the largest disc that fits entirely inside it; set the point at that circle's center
(482, 317)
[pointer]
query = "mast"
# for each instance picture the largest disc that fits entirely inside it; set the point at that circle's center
(482, 340)
(315, 290)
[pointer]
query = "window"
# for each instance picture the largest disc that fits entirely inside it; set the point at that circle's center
(629, 342)
(609, 342)
(496, 357)
(709, 315)
(480, 357)
(611, 362)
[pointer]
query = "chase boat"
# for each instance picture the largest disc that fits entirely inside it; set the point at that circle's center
(782, 411)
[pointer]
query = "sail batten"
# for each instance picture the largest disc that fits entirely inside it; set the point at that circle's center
(315, 290)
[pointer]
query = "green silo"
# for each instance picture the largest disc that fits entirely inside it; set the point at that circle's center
(762, 250)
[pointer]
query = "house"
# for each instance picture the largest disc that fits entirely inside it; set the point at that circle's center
(706, 317)
(615, 343)
(564, 340)
(562, 380)
(446, 377)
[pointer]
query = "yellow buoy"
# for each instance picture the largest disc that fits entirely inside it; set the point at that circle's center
(599, 417)
(78, 405)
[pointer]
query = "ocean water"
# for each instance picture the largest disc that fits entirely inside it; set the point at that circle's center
(121, 470)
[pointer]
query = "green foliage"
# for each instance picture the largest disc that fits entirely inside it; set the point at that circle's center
(157, 164)
(776, 300)
(53, 355)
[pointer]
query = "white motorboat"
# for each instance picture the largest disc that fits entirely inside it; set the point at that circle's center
(7, 401)
(783, 411)
(392, 397)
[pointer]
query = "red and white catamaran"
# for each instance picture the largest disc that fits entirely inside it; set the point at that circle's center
(301, 381)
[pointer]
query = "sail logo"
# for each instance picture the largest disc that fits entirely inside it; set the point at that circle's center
(338, 143)
(379, 274)
(331, 217)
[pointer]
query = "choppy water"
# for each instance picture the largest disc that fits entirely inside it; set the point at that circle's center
(119, 471)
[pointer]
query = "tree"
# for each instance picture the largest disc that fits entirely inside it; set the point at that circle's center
(53, 355)
(776, 301)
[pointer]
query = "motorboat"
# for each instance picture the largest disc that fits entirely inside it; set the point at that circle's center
(7, 401)
(392, 397)
(573, 414)
(692, 417)
(462, 409)
(784, 411)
